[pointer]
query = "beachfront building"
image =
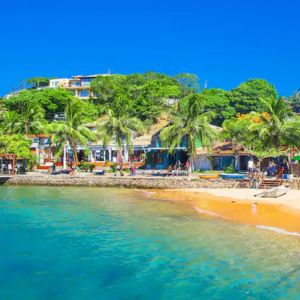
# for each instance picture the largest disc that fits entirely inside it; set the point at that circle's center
(222, 156)
(41, 147)
(79, 85)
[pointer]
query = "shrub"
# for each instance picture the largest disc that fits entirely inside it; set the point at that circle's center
(229, 169)
(86, 166)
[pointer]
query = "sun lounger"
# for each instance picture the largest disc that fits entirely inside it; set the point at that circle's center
(100, 172)
(158, 174)
(55, 173)
(66, 171)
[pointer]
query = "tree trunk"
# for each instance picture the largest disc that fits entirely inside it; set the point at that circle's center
(26, 129)
(65, 157)
(121, 162)
(74, 152)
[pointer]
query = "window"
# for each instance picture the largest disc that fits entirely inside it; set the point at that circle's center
(83, 93)
(75, 83)
(85, 81)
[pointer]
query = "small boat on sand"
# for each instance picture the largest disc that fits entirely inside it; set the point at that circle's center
(209, 176)
(273, 193)
(233, 176)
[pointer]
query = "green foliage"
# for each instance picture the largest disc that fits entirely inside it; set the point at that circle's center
(36, 82)
(218, 101)
(229, 170)
(114, 168)
(71, 131)
(118, 125)
(294, 101)
(147, 94)
(189, 83)
(16, 144)
(247, 96)
(237, 129)
(86, 166)
(52, 100)
(268, 133)
(190, 122)
(273, 128)
(24, 114)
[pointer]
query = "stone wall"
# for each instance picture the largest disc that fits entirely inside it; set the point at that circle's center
(294, 183)
(130, 182)
(122, 182)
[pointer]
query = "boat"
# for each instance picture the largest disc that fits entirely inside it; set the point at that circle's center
(3, 179)
(209, 176)
(233, 176)
(273, 193)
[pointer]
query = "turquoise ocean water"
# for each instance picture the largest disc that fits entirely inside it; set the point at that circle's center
(84, 243)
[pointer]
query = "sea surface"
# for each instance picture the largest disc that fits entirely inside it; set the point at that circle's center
(92, 243)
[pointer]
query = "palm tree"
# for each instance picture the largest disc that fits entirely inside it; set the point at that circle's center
(117, 125)
(71, 131)
(31, 120)
(274, 125)
(190, 122)
(277, 130)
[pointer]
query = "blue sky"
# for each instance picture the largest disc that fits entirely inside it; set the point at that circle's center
(223, 42)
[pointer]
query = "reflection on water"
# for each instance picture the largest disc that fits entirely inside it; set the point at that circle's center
(82, 243)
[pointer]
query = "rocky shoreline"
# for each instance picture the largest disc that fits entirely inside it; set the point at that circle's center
(141, 182)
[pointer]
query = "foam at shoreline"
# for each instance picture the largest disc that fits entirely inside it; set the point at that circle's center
(277, 230)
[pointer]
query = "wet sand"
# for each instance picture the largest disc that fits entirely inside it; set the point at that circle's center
(241, 206)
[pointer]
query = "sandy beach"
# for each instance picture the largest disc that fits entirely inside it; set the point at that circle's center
(240, 205)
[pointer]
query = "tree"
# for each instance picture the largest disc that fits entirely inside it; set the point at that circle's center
(106, 88)
(274, 123)
(266, 134)
(236, 130)
(10, 122)
(294, 101)
(17, 144)
(218, 101)
(52, 100)
(117, 125)
(26, 108)
(189, 82)
(71, 131)
(147, 94)
(190, 122)
(247, 96)
(36, 82)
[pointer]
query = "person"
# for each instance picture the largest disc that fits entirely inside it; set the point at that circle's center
(70, 164)
(170, 170)
(131, 170)
(53, 167)
(187, 165)
(9, 167)
(250, 165)
(286, 167)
